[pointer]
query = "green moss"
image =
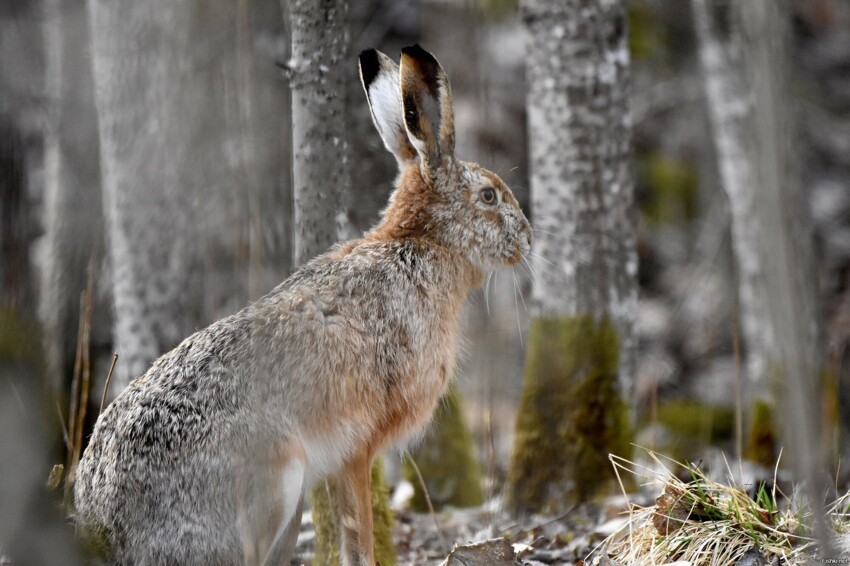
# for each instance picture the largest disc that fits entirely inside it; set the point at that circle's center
(571, 415)
(325, 504)
(761, 436)
(326, 518)
(693, 425)
(830, 416)
(642, 36)
(649, 36)
(670, 188)
(698, 420)
(446, 459)
(382, 517)
(19, 341)
(497, 10)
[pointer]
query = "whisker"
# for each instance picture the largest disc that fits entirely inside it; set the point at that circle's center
(542, 231)
(543, 259)
(487, 293)
(530, 269)
(545, 267)
(518, 325)
(517, 286)
(527, 272)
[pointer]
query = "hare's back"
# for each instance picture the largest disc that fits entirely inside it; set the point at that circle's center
(186, 395)
(159, 444)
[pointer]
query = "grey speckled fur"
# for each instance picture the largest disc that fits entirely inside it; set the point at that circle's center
(205, 457)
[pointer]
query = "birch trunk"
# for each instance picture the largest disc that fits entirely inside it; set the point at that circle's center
(320, 163)
(730, 102)
(788, 249)
(581, 347)
(265, 144)
(771, 235)
(73, 223)
(321, 180)
(161, 72)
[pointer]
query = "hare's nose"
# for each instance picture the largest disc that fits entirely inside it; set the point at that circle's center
(526, 240)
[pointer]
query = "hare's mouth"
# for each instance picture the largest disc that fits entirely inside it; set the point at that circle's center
(523, 248)
(516, 257)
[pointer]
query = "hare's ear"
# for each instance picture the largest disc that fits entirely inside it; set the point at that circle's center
(427, 100)
(380, 78)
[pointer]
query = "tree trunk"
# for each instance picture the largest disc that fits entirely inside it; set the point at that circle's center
(319, 136)
(33, 529)
(787, 248)
(73, 225)
(21, 127)
(446, 460)
(581, 348)
(265, 144)
(161, 72)
(321, 178)
(770, 226)
(730, 103)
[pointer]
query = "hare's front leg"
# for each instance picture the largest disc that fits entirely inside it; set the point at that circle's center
(355, 506)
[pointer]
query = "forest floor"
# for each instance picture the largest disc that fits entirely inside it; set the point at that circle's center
(680, 515)
(427, 540)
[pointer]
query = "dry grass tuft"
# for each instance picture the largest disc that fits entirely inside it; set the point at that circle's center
(706, 523)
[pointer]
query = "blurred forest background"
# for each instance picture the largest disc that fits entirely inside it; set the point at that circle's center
(146, 190)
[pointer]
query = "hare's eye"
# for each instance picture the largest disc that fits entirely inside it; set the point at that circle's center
(488, 195)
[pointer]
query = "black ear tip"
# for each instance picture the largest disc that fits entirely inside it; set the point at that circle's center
(415, 51)
(369, 66)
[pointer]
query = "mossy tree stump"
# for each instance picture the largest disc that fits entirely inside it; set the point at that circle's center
(571, 415)
(326, 518)
(762, 436)
(446, 459)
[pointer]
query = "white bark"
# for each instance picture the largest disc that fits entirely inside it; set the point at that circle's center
(140, 64)
(753, 122)
(73, 218)
(263, 136)
(581, 163)
(730, 104)
(787, 247)
(320, 163)
(21, 123)
(164, 78)
(770, 226)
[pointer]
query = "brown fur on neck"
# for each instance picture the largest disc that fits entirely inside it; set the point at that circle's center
(407, 214)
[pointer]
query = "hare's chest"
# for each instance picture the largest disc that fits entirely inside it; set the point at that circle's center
(421, 383)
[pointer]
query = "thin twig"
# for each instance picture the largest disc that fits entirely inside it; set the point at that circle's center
(108, 379)
(548, 521)
(518, 325)
(428, 501)
(64, 428)
(84, 357)
(739, 402)
(75, 382)
(491, 453)
(85, 388)
(17, 393)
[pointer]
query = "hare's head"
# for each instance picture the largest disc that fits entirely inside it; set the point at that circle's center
(458, 203)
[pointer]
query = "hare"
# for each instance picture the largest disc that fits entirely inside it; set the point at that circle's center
(205, 458)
